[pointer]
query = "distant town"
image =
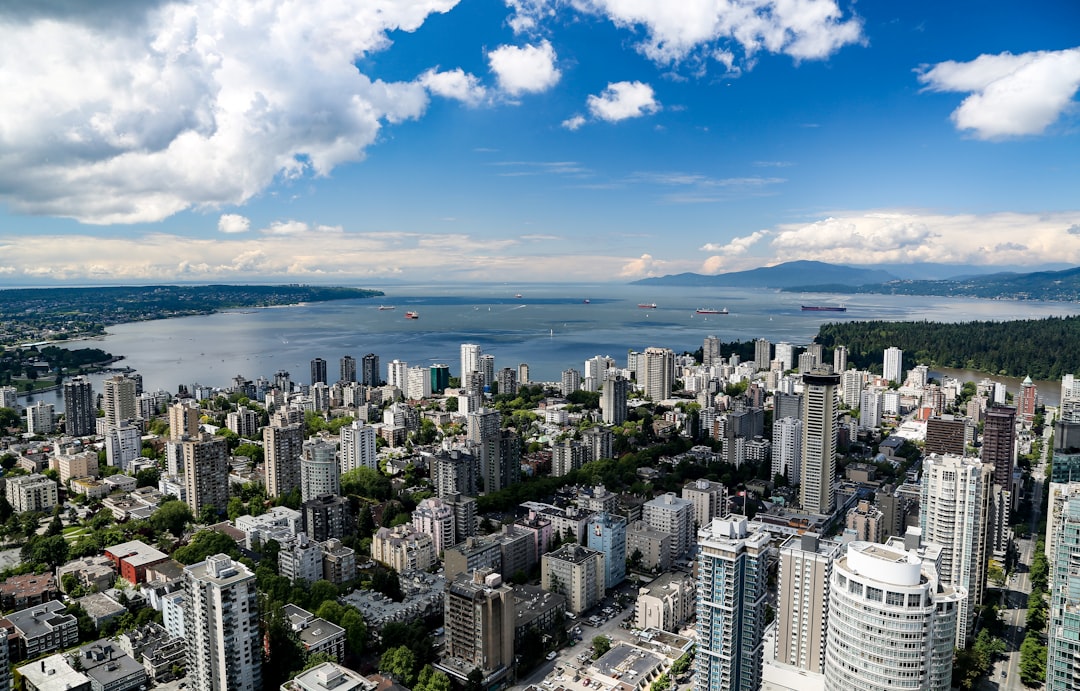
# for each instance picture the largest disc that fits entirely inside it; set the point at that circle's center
(783, 520)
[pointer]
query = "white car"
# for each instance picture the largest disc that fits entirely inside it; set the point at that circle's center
(551, 655)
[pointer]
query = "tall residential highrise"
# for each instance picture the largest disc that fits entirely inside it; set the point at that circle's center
(183, 420)
(221, 623)
(369, 370)
(613, 396)
(498, 457)
(397, 374)
(999, 442)
(658, 373)
(434, 517)
(607, 534)
(709, 499)
(507, 380)
(762, 354)
(440, 378)
(348, 369)
(732, 570)
(571, 381)
(892, 366)
(206, 474)
(523, 374)
(891, 622)
(358, 447)
(318, 371)
(1026, 400)
(470, 360)
(486, 366)
(1063, 619)
(710, 351)
(282, 447)
(319, 470)
(675, 516)
(839, 359)
(803, 600)
(819, 441)
(954, 512)
(119, 400)
(785, 353)
(418, 383)
(787, 444)
(945, 434)
(80, 414)
(479, 621)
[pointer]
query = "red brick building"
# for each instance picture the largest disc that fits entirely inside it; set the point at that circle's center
(133, 558)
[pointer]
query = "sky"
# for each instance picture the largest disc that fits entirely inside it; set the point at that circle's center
(364, 142)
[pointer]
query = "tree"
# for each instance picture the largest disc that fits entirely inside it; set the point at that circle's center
(206, 543)
(475, 680)
(601, 644)
(52, 551)
(399, 664)
(431, 679)
(322, 591)
(235, 508)
(56, 527)
(173, 516)
(355, 630)
(1032, 660)
(995, 575)
(147, 477)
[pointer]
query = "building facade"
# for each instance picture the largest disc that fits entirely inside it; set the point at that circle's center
(221, 623)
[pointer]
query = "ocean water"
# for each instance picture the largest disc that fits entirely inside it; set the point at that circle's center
(551, 327)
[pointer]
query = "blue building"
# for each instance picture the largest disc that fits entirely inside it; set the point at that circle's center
(607, 533)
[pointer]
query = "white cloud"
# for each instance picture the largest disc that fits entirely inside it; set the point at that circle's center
(622, 100)
(739, 245)
(1010, 95)
(644, 266)
(233, 223)
(525, 69)
(191, 104)
(456, 84)
(574, 123)
(697, 30)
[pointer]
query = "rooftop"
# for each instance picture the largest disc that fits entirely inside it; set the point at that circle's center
(136, 553)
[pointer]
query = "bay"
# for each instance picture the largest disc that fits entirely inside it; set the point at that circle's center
(550, 326)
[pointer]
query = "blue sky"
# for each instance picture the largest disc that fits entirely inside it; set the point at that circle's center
(531, 140)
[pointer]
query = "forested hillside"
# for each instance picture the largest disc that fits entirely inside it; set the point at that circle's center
(1041, 348)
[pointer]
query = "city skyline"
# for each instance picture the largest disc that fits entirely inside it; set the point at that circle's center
(531, 139)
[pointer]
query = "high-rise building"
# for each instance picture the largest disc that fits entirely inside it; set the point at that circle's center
(358, 447)
(523, 374)
(710, 351)
(999, 442)
(221, 622)
(80, 408)
(1062, 659)
(119, 400)
(670, 514)
(954, 513)
(819, 441)
(852, 382)
(507, 380)
(320, 472)
(785, 353)
(892, 367)
(327, 517)
(658, 371)
(434, 517)
(243, 422)
(40, 418)
(732, 570)
(318, 371)
(369, 370)
(206, 473)
(607, 534)
(803, 600)
(839, 359)
(486, 366)
(575, 572)
(945, 434)
(709, 499)
(123, 445)
(787, 447)
(479, 621)
(397, 374)
(762, 354)
(348, 369)
(891, 622)
(498, 452)
(613, 397)
(9, 398)
(453, 472)
(571, 381)
(440, 378)
(418, 383)
(282, 448)
(183, 420)
(870, 408)
(470, 360)
(1029, 395)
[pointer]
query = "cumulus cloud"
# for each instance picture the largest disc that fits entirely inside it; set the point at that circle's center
(525, 69)
(456, 84)
(622, 100)
(1074, 229)
(193, 105)
(738, 245)
(1010, 95)
(233, 223)
(574, 123)
(643, 267)
(697, 30)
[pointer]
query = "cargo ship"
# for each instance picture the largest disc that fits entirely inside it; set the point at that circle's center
(647, 305)
(706, 310)
(383, 308)
(412, 315)
(820, 308)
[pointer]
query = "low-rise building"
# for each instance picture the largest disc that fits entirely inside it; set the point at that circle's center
(28, 590)
(101, 608)
(535, 608)
(316, 634)
(109, 668)
(160, 652)
(133, 558)
(329, 677)
(92, 573)
(575, 572)
(338, 562)
(32, 492)
(403, 548)
(666, 603)
(41, 630)
(53, 672)
(302, 560)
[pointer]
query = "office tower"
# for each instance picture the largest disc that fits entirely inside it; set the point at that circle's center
(670, 514)
(1025, 406)
(1062, 661)
(803, 600)
(507, 381)
(486, 366)
(613, 397)
(434, 517)
(575, 572)
(206, 474)
(870, 408)
(732, 570)
(470, 360)
(440, 378)
(785, 353)
(945, 434)
(282, 447)
(893, 364)
(80, 409)
(709, 499)
(119, 401)
(320, 472)
(710, 351)
(571, 381)
(318, 371)
(954, 508)
(523, 374)
(658, 373)
(369, 370)
(40, 418)
(397, 374)
(839, 359)
(418, 383)
(221, 622)
(891, 622)
(819, 441)
(999, 442)
(787, 448)
(123, 445)
(358, 447)
(607, 534)
(183, 420)
(348, 369)
(479, 622)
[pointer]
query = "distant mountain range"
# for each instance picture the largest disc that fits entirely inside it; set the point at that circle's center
(1060, 286)
(786, 275)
